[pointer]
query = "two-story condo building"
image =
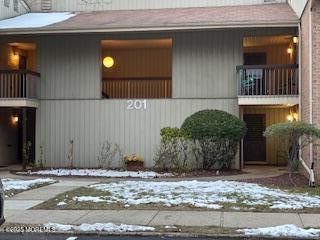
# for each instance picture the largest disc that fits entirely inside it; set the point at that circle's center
(76, 73)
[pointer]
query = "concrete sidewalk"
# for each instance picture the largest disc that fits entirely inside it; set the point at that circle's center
(163, 218)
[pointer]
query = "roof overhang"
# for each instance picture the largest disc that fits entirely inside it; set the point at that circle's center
(184, 19)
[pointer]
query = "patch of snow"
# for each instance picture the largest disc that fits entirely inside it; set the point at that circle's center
(88, 199)
(61, 203)
(203, 194)
(99, 173)
(17, 184)
(58, 227)
(288, 230)
(35, 20)
(100, 227)
(170, 227)
(72, 238)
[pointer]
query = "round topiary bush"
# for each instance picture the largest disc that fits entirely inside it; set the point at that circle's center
(219, 134)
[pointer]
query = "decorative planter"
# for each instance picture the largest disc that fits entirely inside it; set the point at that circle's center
(134, 165)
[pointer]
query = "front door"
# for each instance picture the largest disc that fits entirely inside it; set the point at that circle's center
(254, 145)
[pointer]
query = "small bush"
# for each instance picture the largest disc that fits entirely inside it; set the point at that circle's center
(169, 133)
(179, 155)
(218, 133)
(109, 155)
(294, 131)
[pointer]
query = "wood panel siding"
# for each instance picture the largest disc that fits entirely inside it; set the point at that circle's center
(81, 5)
(90, 122)
(204, 63)
(276, 54)
(140, 62)
(275, 148)
(71, 67)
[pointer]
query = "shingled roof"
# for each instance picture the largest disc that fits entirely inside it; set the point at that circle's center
(263, 15)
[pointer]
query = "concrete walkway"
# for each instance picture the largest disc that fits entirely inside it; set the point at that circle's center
(17, 210)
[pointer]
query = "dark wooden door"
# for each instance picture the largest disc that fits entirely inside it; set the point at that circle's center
(254, 145)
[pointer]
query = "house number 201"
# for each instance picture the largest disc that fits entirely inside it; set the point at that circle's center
(137, 104)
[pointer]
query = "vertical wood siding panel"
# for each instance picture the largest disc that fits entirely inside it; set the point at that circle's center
(205, 63)
(89, 122)
(73, 68)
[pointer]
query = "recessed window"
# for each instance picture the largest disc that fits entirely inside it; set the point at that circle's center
(136, 68)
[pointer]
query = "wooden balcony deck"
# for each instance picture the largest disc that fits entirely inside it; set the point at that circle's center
(18, 88)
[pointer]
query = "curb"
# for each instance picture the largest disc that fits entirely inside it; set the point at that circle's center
(158, 234)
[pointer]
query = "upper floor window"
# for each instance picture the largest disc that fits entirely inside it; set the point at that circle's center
(6, 3)
(16, 5)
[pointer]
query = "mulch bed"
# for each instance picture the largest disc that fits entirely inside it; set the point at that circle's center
(283, 180)
(210, 173)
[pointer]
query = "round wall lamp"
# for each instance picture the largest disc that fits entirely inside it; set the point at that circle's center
(14, 119)
(108, 62)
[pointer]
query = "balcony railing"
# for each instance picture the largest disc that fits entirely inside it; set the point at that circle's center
(268, 80)
(148, 87)
(18, 84)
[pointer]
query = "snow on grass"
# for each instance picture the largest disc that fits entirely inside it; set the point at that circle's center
(35, 20)
(213, 195)
(288, 230)
(88, 199)
(61, 203)
(17, 184)
(100, 227)
(99, 173)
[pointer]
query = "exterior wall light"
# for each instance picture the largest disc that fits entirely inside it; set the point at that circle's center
(295, 40)
(15, 119)
(108, 62)
(293, 117)
(289, 50)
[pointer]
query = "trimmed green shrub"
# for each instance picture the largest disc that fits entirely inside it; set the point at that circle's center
(294, 131)
(218, 133)
(214, 123)
(169, 133)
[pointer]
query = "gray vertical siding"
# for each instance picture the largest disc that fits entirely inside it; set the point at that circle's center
(89, 122)
(69, 67)
(204, 64)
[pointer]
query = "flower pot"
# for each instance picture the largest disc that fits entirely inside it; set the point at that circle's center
(134, 165)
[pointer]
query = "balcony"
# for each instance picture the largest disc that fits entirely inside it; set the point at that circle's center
(268, 84)
(18, 88)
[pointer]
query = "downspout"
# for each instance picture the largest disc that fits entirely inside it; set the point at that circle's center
(310, 170)
(312, 180)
